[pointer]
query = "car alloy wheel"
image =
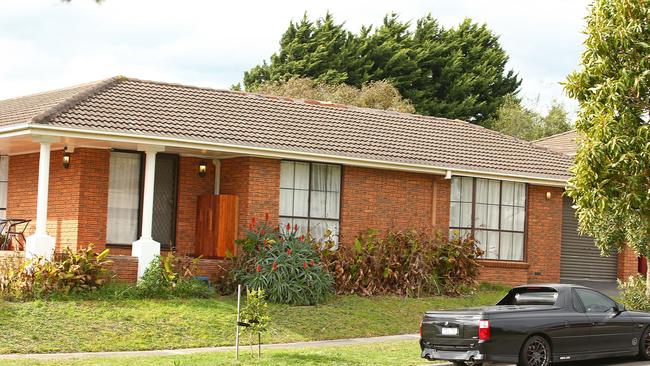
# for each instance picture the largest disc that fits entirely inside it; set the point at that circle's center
(536, 352)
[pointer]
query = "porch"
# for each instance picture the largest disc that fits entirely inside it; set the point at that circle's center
(137, 200)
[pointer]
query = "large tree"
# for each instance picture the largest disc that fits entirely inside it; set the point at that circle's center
(456, 73)
(611, 185)
(514, 119)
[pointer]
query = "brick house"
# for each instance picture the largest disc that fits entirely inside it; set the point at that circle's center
(124, 164)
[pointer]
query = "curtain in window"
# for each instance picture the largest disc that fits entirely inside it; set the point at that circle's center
(493, 211)
(310, 197)
(4, 178)
(123, 198)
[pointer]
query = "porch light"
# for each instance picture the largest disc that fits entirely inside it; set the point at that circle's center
(203, 168)
(66, 158)
(548, 195)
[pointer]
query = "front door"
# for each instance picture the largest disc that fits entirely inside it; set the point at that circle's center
(164, 200)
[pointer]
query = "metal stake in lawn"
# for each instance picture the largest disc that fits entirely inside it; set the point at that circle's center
(244, 324)
(238, 319)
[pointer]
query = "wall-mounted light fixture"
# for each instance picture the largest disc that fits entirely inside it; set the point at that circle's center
(203, 168)
(548, 195)
(448, 175)
(66, 158)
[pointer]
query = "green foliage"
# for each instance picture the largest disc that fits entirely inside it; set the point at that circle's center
(514, 119)
(611, 180)
(632, 293)
(375, 94)
(456, 73)
(171, 276)
(406, 263)
(256, 312)
(287, 267)
(70, 271)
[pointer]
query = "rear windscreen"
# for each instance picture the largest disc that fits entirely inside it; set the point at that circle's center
(530, 296)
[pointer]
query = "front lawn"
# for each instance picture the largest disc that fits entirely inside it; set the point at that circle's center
(121, 325)
(391, 353)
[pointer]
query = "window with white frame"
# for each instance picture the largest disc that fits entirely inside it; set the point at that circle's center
(310, 195)
(493, 212)
(122, 225)
(4, 180)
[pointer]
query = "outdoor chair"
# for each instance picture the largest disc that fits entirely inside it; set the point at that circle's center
(16, 233)
(4, 226)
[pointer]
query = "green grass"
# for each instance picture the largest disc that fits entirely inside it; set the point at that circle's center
(391, 353)
(121, 325)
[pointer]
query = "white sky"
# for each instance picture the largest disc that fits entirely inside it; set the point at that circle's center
(46, 44)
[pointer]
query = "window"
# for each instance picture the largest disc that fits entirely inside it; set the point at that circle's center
(595, 302)
(126, 176)
(124, 180)
(4, 178)
(310, 197)
(493, 211)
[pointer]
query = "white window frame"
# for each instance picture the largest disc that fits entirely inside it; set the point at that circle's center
(4, 185)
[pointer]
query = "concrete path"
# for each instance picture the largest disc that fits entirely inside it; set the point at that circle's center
(185, 351)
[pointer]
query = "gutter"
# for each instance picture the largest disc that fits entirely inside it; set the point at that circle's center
(270, 152)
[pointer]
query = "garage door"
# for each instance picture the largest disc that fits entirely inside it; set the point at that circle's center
(581, 259)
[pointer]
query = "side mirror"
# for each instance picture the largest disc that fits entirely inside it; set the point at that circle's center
(619, 308)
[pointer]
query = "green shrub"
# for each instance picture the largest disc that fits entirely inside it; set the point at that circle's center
(68, 272)
(171, 276)
(632, 293)
(405, 263)
(287, 267)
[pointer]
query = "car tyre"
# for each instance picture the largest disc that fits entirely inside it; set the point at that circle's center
(535, 352)
(644, 345)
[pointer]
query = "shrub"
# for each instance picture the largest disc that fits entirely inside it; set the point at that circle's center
(632, 293)
(68, 272)
(172, 276)
(286, 266)
(407, 263)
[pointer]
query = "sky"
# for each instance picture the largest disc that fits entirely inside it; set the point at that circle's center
(48, 44)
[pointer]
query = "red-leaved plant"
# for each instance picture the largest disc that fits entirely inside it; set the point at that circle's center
(283, 263)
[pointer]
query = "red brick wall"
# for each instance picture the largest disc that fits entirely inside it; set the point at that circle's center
(544, 236)
(93, 195)
(64, 195)
(505, 273)
(257, 183)
(384, 199)
(628, 264)
(190, 187)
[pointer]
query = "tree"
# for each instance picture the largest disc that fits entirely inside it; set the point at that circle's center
(455, 73)
(514, 119)
(612, 172)
(376, 94)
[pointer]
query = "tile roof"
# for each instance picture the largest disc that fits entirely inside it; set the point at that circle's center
(247, 119)
(564, 143)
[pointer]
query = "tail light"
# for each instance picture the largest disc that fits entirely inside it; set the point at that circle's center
(420, 329)
(484, 330)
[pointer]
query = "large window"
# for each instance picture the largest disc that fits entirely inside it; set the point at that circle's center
(310, 197)
(493, 211)
(4, 177)
(124, 179)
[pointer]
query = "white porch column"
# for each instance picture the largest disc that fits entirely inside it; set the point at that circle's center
(145, 248)
(40, 244)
